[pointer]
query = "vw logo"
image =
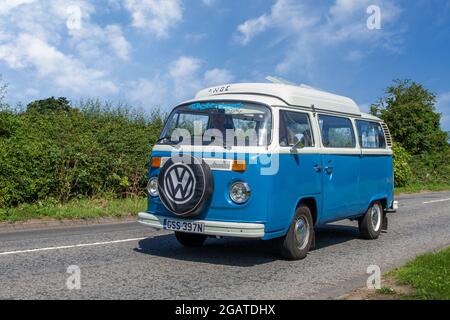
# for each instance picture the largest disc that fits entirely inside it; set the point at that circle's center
(179, 183)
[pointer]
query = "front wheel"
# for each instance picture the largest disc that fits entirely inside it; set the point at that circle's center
(371, 223)
(190, 239)
(297, 242)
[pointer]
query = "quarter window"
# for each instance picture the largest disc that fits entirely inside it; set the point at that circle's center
(295, 128)
(370, 135)
(337, 132)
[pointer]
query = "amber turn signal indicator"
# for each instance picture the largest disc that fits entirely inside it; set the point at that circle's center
(156, 162)
(239, 165)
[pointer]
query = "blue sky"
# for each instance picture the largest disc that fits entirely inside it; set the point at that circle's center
(158, 52)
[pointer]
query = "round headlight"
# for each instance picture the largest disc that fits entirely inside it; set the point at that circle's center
(240, 192)
(152, 187)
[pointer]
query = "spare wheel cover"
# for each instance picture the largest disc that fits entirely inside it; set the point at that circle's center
(185, 185)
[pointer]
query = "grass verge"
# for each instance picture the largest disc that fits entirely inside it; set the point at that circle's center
(429, 275)
(416, 188)
(75, 209)
(425, 278)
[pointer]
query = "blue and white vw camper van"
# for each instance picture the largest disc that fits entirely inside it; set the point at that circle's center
(269, 161)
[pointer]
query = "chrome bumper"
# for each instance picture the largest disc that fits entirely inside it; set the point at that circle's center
(212, 228)
(394, 207)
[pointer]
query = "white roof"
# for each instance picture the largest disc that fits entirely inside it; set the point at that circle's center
(290, 94)
(369, 116)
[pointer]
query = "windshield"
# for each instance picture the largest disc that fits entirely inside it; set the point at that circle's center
(219, 123)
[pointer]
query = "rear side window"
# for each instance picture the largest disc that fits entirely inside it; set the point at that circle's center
(295, 128)
(370, 135)
(337, 132)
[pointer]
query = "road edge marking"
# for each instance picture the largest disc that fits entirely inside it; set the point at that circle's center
(69, 246)
(435, 201)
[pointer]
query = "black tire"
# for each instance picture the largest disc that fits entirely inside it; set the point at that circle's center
(290, 248)
(189, 239)
(371, 224)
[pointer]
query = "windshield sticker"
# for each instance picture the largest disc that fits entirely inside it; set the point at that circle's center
(219, 106)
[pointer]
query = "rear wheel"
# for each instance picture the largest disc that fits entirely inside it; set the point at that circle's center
(189, 239)
(297, 242)
(371, 223)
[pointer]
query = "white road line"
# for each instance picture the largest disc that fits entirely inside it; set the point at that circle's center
(70, 246)
(434, 201)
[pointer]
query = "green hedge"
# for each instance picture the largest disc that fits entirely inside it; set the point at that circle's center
(402, 169)
(423, 171)
(58, 153)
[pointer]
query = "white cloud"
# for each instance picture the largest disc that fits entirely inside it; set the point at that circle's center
(121, 46)
(250, 28)
(184, 67)
(7, 5)
(94, 42)
(148, 93)
(308, 32)
(157, 16)
(287, 15)
(187, 77)
(347, 20)
(36, 35)
(184, 77)
(443, 106)
(216, 77)
(66, 72)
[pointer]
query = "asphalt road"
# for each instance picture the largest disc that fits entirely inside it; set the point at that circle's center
(128, 261)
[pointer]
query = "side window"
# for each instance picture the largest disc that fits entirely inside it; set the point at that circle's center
(295, 127)
(370, 135)
(337, 132)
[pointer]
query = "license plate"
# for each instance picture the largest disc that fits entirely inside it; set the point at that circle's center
(184, 226)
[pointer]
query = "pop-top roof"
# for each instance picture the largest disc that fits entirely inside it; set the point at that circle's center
(292, 95)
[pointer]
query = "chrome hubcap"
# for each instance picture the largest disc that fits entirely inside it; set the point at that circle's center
(302, 233)
(375, 217)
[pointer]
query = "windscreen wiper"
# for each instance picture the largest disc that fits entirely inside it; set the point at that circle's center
(161, 139)
(165, 138)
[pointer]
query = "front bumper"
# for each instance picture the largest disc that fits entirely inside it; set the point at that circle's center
(212, 228)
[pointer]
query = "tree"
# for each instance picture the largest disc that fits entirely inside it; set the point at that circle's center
(409, 110)
(50, 104)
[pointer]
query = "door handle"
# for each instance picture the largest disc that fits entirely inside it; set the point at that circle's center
(317, 168)
(329, 169)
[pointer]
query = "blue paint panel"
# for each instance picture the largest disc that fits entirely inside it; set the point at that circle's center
(222, 208)
(274, 197)
(340, 187)
(297, 179)
(377, 179)
(347, 191)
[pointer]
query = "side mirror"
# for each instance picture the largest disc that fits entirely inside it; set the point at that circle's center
(298, 145)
